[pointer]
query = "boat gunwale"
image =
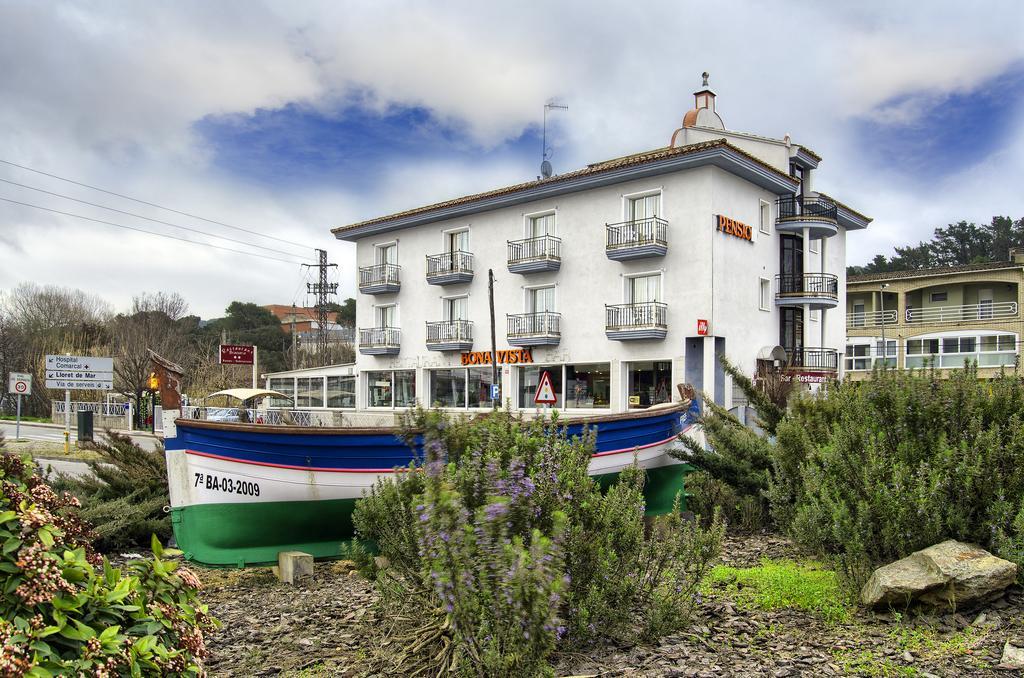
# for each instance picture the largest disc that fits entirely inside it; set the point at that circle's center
(240, 427)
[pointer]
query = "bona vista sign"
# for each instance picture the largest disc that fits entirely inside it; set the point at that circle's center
(522, 355)
(736, 228)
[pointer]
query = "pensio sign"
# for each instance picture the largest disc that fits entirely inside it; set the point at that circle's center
(735, 228)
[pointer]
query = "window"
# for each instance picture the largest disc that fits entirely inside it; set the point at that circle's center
(642, 289)
(886, 355)
(285, 385)
(586, 386)
(858, 357)
(461, 387)
(386, 316)
(922, 346)
(766, 294)
(529, 380)
(391, 389)
(541, 225)
(457, 241)
(387, 254)
(858, 315)
(310, 392)
(478, 386)
(643, 207)
(540, 299)
(341, 392)
(990, 350)
(648, 383)
(939, 296)
(456, 308)
(765, 218)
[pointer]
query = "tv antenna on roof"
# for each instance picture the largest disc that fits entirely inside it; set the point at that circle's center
(545, 164)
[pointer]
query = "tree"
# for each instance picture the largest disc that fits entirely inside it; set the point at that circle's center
(912, 257)
(961, 243)
(346, 312)
(1004, 233)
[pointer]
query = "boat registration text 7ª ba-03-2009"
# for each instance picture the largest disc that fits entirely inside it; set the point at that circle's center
(229, 485)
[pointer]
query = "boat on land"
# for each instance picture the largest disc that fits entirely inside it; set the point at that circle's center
(243, 492)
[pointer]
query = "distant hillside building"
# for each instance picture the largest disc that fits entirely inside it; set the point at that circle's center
(941, 317)
(306, 323)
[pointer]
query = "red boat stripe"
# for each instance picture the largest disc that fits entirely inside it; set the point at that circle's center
(388, 470)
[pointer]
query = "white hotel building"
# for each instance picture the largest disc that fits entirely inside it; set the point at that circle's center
(621, 279)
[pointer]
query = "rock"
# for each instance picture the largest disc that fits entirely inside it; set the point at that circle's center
(293, 565)
(949, 574)
(1013, 657)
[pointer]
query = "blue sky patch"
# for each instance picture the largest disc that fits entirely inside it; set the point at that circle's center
(296, 145)
(949, 133)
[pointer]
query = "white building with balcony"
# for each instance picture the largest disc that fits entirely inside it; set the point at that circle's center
(620, 279)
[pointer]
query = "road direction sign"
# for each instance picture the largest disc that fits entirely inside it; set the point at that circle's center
(545, 391)
(74, 373)
(79, 363)
(20, 383)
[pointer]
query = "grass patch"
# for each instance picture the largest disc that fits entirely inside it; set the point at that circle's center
(24, 418)
(775, 585)
(48, 449)
(930, 644)
(867, 663)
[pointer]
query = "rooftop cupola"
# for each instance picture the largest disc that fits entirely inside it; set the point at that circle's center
(703, 113)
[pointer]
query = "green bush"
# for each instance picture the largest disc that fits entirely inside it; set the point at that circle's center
(65, 611)
(905, 460)
(505, 549)
(125, 496)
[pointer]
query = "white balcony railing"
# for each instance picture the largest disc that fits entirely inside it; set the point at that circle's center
(871, 318)
(970, 312)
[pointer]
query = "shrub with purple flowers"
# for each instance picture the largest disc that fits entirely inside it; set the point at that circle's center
(504, 549)
(66, 611)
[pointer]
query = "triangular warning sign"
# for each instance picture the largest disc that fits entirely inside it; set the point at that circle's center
(545, 391)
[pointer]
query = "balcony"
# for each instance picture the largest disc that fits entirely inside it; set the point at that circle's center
(817, 290)
(380, 278)
(645, 320)
(449, 268)
(818, 215)
(939, 315)
(535, 329)
(533, 255)
(639, 239)
(380, 340)
(870, 319)
(812, 360)
(450, 335)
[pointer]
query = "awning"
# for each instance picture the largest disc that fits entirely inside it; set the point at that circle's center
(772, 353)
(244, 394)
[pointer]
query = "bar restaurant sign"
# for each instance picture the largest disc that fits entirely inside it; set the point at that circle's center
(511, 357)
(735, 228)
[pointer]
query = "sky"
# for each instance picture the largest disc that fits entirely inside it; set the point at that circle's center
(289, 118)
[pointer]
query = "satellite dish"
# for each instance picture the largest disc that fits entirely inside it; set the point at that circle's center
(545, 169)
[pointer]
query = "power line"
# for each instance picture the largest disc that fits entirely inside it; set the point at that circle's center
(153, 204)
(157, 221)
(142, 230)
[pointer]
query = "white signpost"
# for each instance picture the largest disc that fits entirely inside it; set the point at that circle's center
(20, 384)
(80, 373)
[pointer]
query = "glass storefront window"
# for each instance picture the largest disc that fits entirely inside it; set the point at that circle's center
(648, 383)
(311, 392)
(448, 388)
(529, 379)
(378, 389)
(341, 391)
(479, 387)
(588, 386)
(285, 385)
(405, 388)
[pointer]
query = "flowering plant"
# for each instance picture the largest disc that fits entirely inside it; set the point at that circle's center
(66, 611)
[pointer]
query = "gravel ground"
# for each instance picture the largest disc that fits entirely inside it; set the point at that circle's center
(318, 628)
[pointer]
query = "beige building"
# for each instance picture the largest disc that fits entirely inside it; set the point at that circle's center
(941, 317)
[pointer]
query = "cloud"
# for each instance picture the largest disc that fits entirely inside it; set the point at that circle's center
(289, 118)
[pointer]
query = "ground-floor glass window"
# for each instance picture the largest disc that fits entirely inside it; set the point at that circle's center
(529, 380)
(461, 387)
(285, 385)
(391, 389)
(341, 391)
(588, 386)
(310, 392)
(478, 386)
(648, 383)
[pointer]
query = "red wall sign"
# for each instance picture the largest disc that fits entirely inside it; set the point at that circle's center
(234, 354)
(702, 327)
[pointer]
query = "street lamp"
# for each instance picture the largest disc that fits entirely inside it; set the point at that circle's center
(885, 352)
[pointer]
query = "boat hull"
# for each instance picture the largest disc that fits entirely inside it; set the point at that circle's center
(241, 494)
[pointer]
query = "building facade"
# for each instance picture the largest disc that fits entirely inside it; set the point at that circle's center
(619, 280)
(942, 317)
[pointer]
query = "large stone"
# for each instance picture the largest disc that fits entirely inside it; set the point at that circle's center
(293, 565)
(974, 574)
(1013, 657)
(898, 584)
(949, 574)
